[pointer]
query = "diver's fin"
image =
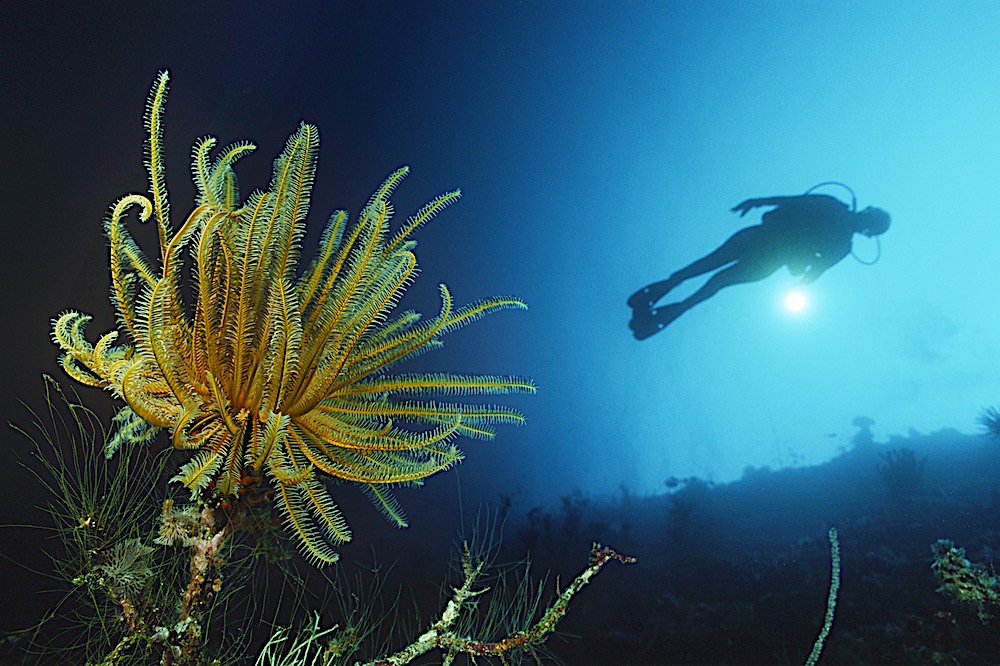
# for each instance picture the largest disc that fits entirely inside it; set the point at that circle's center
(647, 323)
(648, 295)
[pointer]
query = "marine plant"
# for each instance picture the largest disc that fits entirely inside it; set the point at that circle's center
(271, 382)
(902, 473)
(280, 379)
(967, 583)
(101, 515)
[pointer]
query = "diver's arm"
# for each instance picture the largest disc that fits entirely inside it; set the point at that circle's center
(746, 206)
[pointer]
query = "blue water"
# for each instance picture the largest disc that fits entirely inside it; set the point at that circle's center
(599, 147)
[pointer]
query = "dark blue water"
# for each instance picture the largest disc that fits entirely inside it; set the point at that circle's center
(599, 147)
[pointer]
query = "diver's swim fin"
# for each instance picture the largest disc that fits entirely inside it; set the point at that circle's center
(646, 323)
(648, 295)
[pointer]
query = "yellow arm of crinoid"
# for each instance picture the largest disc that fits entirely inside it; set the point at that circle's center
(100, 365)
(216, 182)
(154, 157)
(429, 210)
(130, 271)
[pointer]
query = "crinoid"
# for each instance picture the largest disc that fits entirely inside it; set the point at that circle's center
(274, 377)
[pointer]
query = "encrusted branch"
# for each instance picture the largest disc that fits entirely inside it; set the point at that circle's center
(441, 636)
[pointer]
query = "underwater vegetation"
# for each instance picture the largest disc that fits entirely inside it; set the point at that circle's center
(271, 383)
(969, 583)
(989, 419)
(902, 473)
(102, 513)
(130, 569)
(964, 581)
(276, 379)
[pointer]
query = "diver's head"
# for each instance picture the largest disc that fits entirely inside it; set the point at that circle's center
(872, 221)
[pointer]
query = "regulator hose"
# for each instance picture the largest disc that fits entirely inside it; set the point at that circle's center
(854, 209)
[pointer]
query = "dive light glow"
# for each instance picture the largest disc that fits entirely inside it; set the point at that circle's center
(795, 301)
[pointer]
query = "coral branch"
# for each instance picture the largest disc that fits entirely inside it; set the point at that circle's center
(441, 636)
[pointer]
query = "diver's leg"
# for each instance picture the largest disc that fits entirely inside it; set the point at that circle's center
(726, 253)
(739, 273)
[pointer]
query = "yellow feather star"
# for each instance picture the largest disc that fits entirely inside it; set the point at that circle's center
(272, 372)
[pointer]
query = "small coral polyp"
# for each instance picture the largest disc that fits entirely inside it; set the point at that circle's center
(277, 375)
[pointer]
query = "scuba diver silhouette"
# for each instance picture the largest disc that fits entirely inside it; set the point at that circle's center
(809, 233)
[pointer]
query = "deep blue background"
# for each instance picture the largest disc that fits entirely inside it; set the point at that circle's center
(599, 146)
